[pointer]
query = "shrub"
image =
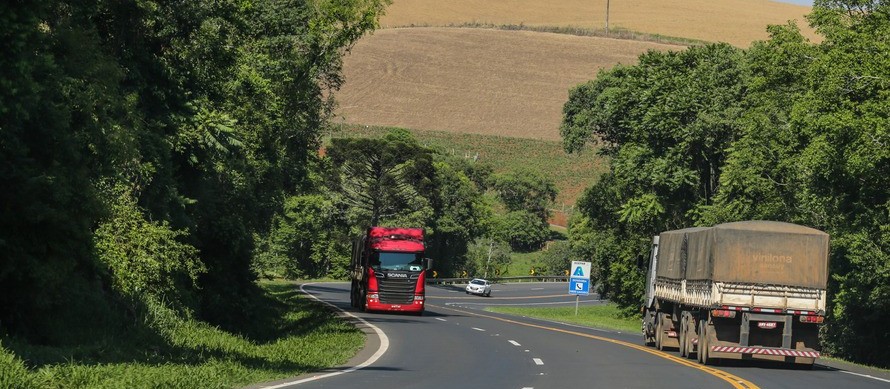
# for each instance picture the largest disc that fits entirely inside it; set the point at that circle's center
(145, 258)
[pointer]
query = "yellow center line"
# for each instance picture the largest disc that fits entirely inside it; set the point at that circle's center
(735, 381)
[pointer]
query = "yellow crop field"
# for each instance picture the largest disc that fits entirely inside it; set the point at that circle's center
(738, 22)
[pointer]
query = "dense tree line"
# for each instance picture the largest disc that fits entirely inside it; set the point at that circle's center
(787, 130)
(147, 146)
(169, 151)
(395, 181)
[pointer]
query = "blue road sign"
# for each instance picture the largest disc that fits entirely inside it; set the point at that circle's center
(579, 286)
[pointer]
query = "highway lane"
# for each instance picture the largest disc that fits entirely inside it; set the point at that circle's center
(457, 344)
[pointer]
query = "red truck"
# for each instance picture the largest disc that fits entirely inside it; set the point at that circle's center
(388, 270)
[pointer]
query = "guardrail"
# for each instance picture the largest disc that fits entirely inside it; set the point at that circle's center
(498, 280)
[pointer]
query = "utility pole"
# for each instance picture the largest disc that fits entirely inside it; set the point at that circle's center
(607, 17)
(488, 262)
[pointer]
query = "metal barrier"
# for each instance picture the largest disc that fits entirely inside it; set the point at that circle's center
(498, 280)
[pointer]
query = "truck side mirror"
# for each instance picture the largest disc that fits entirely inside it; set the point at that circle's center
(428, 263)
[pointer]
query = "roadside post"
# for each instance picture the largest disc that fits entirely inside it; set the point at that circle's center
(579, 281)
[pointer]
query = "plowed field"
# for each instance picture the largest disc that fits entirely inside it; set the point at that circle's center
(738, 22)
(495, 82)
(514, 83)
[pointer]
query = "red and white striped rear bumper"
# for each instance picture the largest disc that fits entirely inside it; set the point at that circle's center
(765, 351)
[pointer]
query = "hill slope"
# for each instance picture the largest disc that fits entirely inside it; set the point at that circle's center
(468, 80)
(738, 22)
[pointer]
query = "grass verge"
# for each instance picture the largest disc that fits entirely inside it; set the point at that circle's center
(521, 264)
(600, 316)
(614, 33)
(289, 334)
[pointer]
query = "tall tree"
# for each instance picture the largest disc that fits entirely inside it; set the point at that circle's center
(208, 113)
(382, 181)
(666, 122)
(460, 215)
(526, 196)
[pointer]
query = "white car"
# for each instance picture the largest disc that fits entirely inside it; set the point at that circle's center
(479, 286)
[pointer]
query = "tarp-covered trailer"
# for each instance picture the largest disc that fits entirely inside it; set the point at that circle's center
(742, 290)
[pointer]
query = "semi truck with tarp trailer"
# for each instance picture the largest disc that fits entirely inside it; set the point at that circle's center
(388, 270)
(742, 290)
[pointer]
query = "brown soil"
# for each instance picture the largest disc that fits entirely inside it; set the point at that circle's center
(738, 22)
(509, 83)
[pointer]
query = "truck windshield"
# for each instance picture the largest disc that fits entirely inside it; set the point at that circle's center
(397, 261)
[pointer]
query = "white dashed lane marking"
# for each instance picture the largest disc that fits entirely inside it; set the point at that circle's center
(538, 361)
(440, 319)
(513, 342)
(478, 329)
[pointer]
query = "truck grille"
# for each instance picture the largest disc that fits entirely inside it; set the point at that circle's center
(396, 291)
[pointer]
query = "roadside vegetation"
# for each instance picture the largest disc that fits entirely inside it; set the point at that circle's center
(570, 173)
(288, 334)
(787, 130)
(147, 148)
(162, 157)
(606, 316)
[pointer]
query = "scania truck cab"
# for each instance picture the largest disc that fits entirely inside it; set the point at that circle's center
(388, 270)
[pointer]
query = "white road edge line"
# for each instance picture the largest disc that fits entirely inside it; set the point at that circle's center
(384, 345)
(864, 375)
(538, 361)
(515, 343)
(478, 329)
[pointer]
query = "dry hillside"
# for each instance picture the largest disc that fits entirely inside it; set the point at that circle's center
(738, 22)
(511, 83)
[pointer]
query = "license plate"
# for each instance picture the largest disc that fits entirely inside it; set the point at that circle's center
(767, 325)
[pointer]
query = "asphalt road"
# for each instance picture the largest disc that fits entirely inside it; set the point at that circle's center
(456, 344)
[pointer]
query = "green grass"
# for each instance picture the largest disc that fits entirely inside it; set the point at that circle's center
(600, 316)
(571, 173)
(521, 263)
(288, 335)
(846, 362)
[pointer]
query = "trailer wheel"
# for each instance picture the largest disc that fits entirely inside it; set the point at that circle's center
(353, 302)
(690, 330)
(682, 341)
(648, 340)
(648, 334)
(659, 332)
(703, 346)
